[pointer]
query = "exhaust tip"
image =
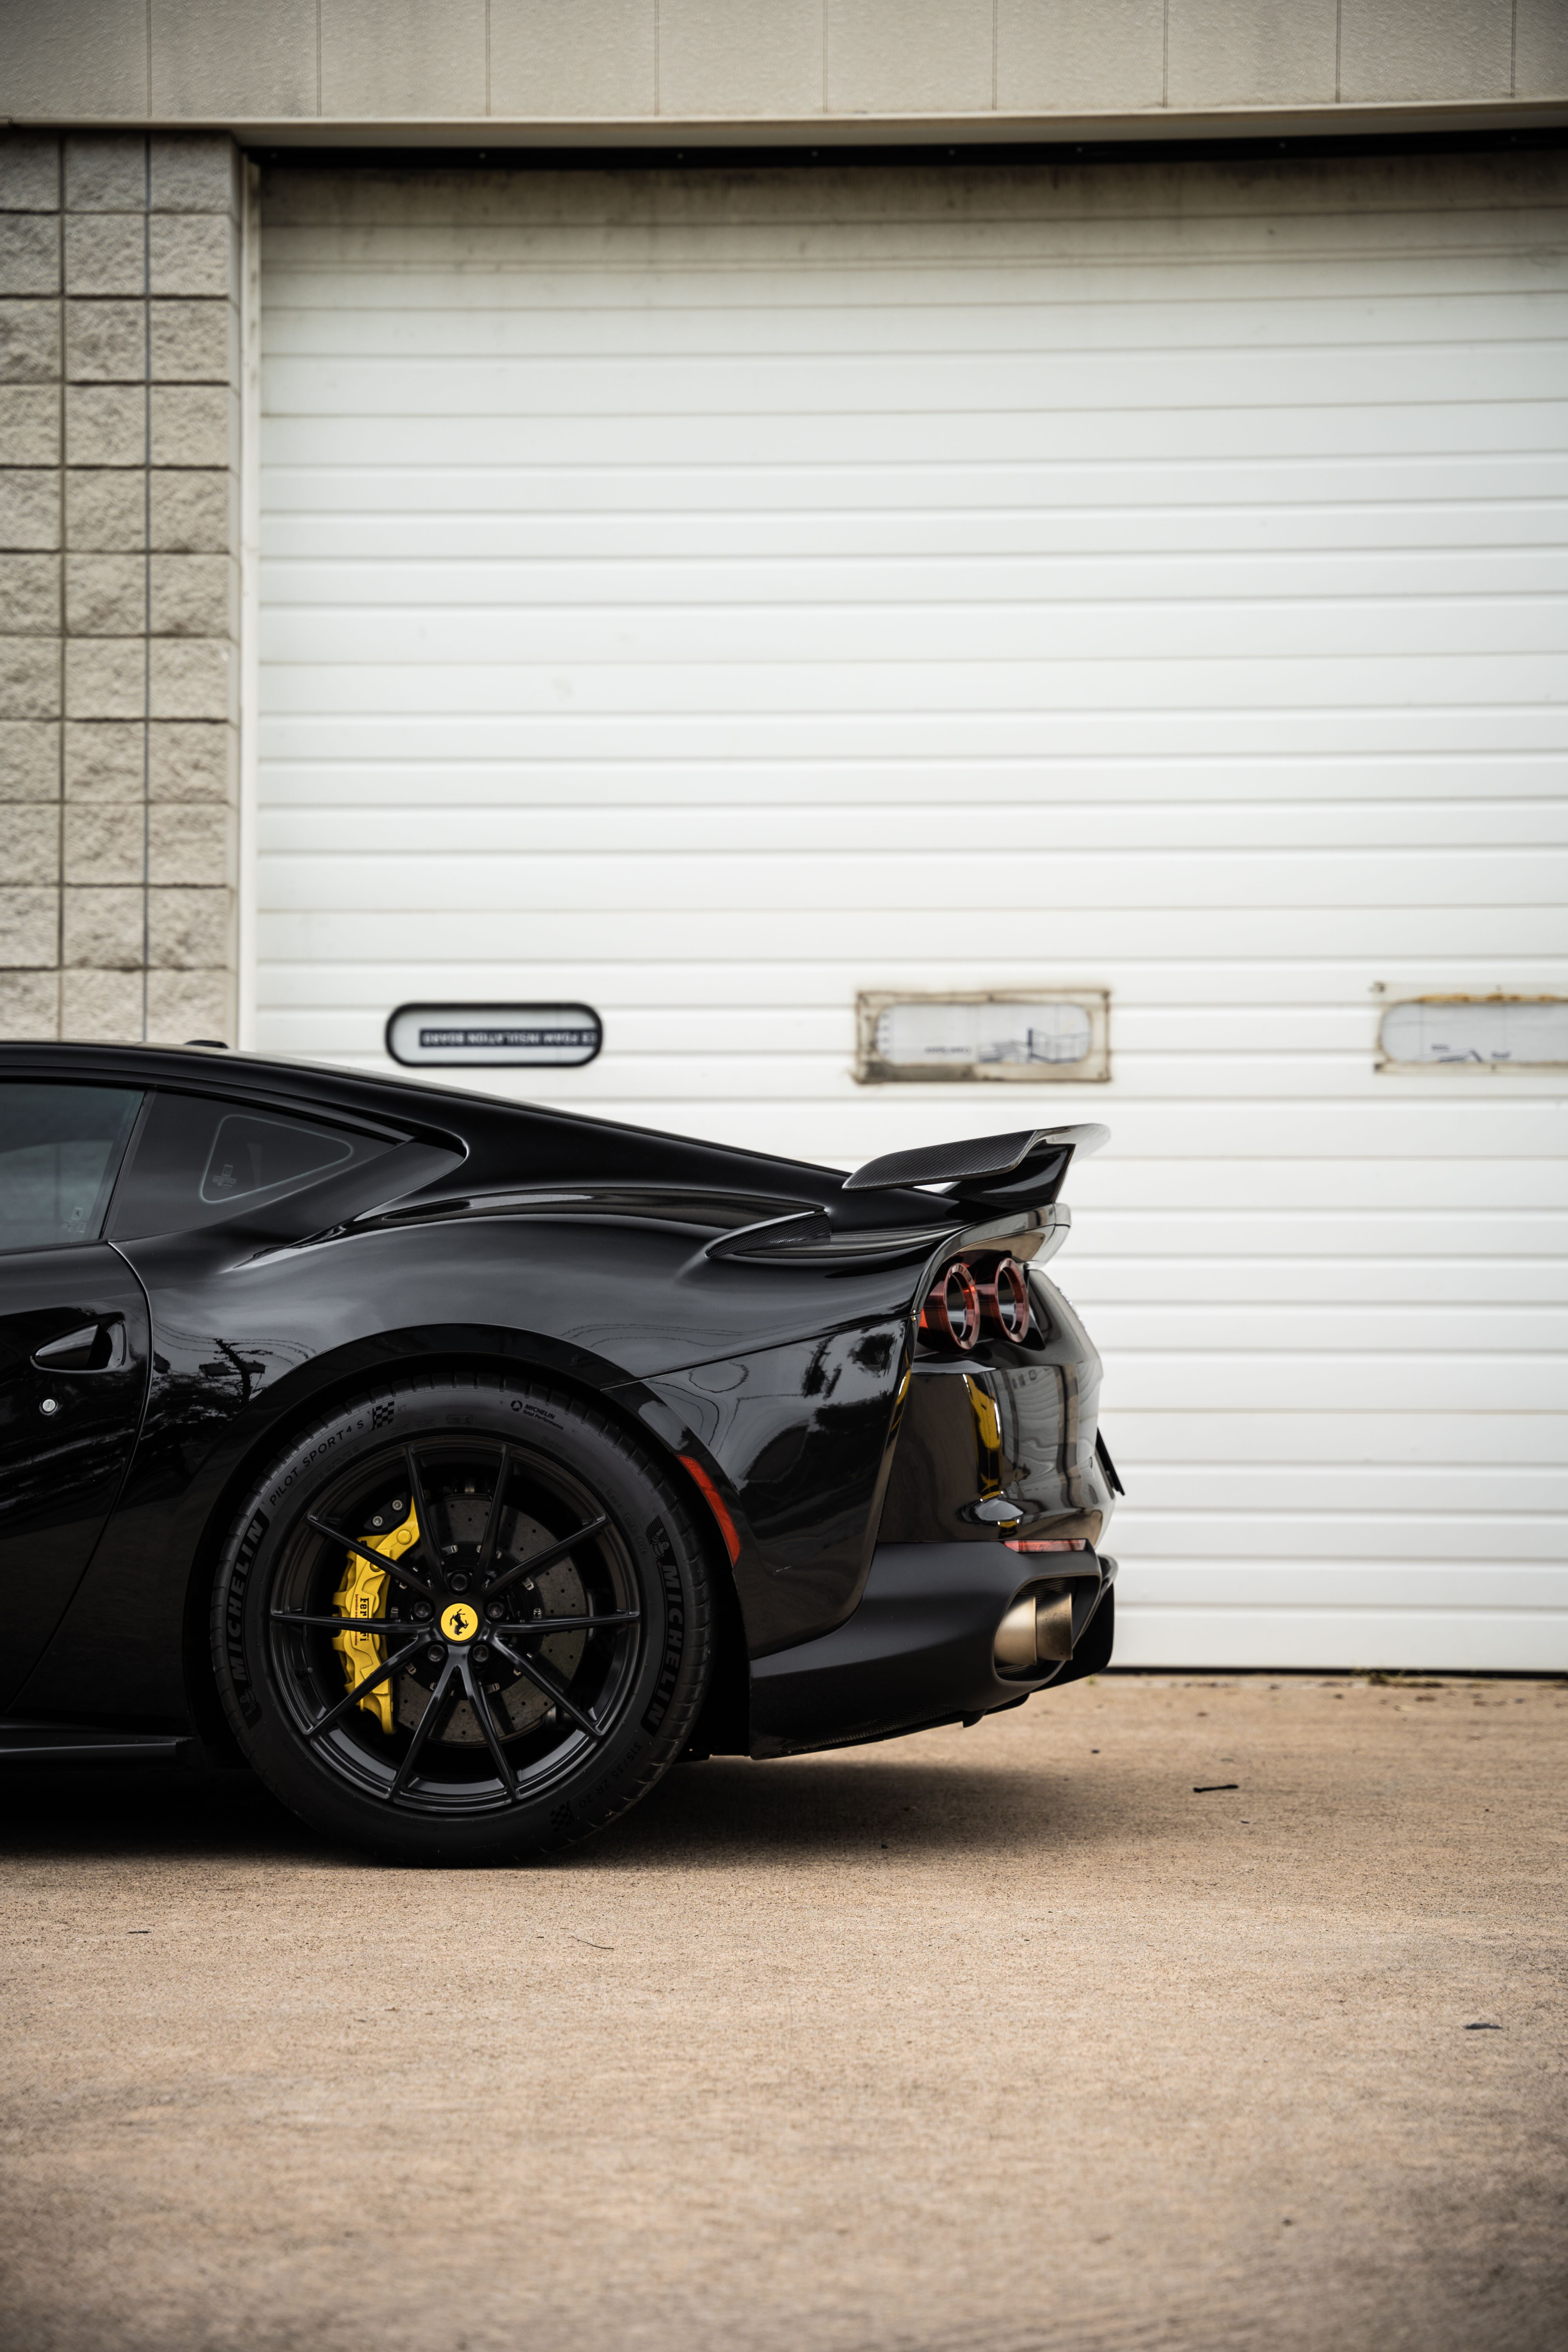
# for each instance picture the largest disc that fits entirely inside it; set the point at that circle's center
(1035, 1633)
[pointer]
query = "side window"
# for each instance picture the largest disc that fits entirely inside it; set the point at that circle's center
(251, 1154)
(199, 1160)
(60, 1148)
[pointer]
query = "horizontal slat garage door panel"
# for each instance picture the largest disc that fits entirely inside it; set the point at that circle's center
(1031, 388)
(769, 694)
(708, 597)
(1392, 1504)
(1217, 739)
(1082, 937)
(1326, 1441)
(1288, 431)
(1036, 589)
(742, 1040)
(1155, 325)
(449, 876)
(1281, 1282)
(1047, 791)
(1484, 1639)
(455, 509)
(750, 649)
(1186, 829)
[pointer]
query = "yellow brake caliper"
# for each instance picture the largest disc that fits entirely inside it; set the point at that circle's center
(363, 1594)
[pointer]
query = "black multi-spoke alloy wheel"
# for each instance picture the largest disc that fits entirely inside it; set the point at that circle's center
(460, 1621)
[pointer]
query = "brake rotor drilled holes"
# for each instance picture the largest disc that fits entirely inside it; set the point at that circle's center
(517, 1705)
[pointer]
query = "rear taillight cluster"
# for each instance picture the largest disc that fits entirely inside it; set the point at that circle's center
(972, 1299)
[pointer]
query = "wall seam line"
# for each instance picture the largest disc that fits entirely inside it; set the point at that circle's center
(146, 577)
(246, 748)
(60, 663)
(1513, 52)
(1339, 35)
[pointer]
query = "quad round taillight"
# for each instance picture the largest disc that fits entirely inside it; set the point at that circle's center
(951, 1317)
(1007, 1300)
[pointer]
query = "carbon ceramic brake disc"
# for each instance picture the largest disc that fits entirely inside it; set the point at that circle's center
(518, 1706)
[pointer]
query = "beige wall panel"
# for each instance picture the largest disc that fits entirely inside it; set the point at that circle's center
(29, 509)
(106, 510)
(1541, 49)
(189, 174)
(193, 254)
(733, 58)
(29, 253)
(87, 58)
(402, 58)
(234, 62)
(29, 175)
(106, 175)
(194, 342)
(29, 341)
(1252, 52)
(1053, 56)
(220, 59)
(910, 57)
(29, 759)
(595, 59)
(106, 342)
(105, 254)
(1425, 48)
(99, 1005)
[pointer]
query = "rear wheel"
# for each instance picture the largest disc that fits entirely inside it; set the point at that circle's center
(460, 1621)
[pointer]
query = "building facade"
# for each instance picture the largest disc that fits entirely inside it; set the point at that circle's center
(719, 512)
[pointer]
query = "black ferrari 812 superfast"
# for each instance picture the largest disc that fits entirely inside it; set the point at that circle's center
(458, 1467)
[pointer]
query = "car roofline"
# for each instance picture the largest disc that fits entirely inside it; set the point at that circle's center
(430, 1111)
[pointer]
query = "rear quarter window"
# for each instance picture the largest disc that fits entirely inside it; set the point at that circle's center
(200, 1161)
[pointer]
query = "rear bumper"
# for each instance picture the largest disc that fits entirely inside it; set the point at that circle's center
(918, 1649)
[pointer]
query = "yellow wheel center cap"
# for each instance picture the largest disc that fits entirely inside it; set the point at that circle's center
(460, 1623)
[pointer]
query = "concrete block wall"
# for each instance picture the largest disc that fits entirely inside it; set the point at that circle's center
(119, 536)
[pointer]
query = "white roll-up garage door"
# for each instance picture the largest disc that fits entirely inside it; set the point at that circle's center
(709, 597)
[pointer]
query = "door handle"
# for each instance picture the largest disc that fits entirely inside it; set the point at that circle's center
(95, 1348)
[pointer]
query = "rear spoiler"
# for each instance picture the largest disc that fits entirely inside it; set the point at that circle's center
(1003, 1169)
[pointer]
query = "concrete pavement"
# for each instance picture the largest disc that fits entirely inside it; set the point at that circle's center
(975, 2042)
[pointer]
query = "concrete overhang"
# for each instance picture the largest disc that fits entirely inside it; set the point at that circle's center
(1151, 126)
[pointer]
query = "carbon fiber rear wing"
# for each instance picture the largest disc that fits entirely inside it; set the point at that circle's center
(1002, 1169)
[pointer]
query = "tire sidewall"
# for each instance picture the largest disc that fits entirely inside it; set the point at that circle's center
(654, 1720)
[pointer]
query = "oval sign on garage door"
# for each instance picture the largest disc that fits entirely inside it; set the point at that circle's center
(452, 1036)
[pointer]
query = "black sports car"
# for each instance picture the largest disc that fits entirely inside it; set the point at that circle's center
(461, 1466)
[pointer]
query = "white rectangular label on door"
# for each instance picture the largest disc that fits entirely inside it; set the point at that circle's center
(1037, 1037)
(1527, 1032)
(527, 1036)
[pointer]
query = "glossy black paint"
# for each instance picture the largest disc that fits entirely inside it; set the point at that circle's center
(1018, 1426)
(803, 1435)
(916, 1650)
(783, 1380)
(66, 1428)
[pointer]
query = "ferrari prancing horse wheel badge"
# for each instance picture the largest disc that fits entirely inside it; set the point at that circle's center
(460, 1623)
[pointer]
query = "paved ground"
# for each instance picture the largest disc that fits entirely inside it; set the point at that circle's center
(981, 2041)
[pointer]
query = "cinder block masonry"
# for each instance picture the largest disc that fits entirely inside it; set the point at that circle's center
(119, 584)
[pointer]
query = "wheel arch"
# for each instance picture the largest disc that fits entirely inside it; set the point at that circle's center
(726, 1711)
